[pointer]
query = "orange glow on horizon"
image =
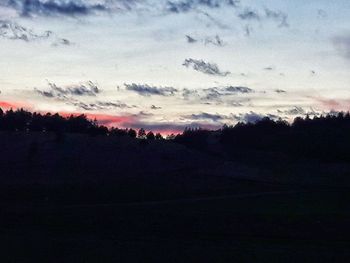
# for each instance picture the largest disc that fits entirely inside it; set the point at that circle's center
(14, 105)
(102, 119)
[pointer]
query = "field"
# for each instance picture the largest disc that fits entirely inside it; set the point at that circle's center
(194, 208)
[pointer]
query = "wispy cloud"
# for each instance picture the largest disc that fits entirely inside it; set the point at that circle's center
(55, 91)
(249, 14)
(147, 90)
(293, 111)
(13, 31)
(280, 91)
(280, 17)
(205, 67)
(100, 105)
(206, 116)
(209, 40)
(189, 5)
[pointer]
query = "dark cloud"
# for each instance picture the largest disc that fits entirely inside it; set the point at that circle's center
(72, 95)
(154, 107)
(55, 7)
(189, 5)
(62, 42)
(238, 89)
(54, 91)
(206, 116)
(190, 39)
(249, 14)
(342, 44)
(205, 67)
(253, 117)
(146, 90)
(47, 94)
(280, 17)
(280, 91)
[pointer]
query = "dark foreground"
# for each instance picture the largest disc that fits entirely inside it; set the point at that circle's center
(94, 200)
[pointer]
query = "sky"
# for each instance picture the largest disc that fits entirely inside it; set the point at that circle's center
(169, 64)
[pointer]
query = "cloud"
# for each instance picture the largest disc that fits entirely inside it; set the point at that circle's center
(209, 40)
(238, 89)
(293, 111)
(269, 68)
(253, 117)
(227, 95)
(342, 44)
(280, 91)
(190, 94)
(154, 107)
(206, 116)
(189, 5)
(62, 42)
(280, 17)
(205, 67)
(247, 30)
(56, 7)
(100, 105)
(146, 90)
(249, 14)
(13, 31)
(216, 41)
(190, 39)
(217, 93)
(64, 93)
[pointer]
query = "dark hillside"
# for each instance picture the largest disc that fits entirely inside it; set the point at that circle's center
(74, 191)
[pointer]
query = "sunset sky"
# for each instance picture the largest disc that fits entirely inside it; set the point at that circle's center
(166, 64)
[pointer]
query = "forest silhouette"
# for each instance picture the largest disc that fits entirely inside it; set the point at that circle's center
(323, 137)
(67, 181)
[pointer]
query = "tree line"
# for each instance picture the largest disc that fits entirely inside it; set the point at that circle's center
(322, 137)
(325, 137)
(25, 121)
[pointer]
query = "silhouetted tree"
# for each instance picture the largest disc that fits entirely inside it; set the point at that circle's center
(158, 136)
(141, 134)
(170, 136)
(132, 133)
(150, 136)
